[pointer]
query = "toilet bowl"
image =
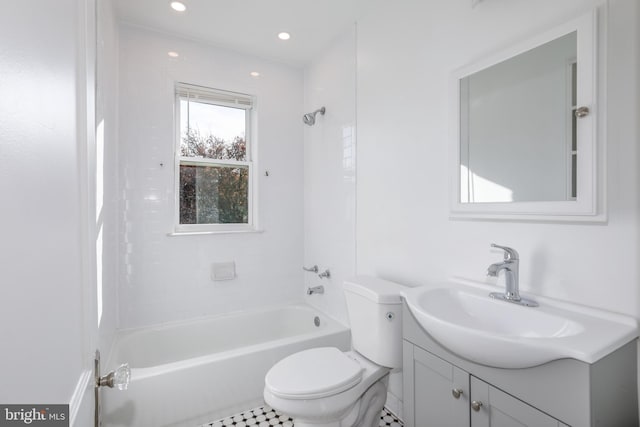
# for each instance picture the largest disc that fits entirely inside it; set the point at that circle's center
(325, 387)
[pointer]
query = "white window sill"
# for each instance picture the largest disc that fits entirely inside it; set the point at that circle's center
(208, 232)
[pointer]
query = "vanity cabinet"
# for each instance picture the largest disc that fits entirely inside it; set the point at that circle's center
(443, 390)
(433, 383)
(445, 395)
(499, 409)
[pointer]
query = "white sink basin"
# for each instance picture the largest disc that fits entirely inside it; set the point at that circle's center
(466, 321)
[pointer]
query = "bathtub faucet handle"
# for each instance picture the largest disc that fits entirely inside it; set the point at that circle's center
(324, 274)
(313, 269)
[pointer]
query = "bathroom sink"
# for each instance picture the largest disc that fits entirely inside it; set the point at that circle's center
(462, 318)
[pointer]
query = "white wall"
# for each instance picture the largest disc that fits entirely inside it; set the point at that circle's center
(43, 136)
(329, 173)
(406, 53)
(164, 278)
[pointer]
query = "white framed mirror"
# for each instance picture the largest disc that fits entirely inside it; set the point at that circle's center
(524, 130)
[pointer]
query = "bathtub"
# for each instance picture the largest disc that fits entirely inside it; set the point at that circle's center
(189, 373)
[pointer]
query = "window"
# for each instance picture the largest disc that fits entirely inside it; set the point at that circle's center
(213, 160)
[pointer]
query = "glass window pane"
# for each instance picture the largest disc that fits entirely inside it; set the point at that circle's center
(214, 194)
(212, 131)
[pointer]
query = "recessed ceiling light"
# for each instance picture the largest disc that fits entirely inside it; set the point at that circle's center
(178, 6)
(255, 74)
(173, 54)
(284, 36)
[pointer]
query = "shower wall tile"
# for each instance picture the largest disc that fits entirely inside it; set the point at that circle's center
(107, 190)
(329, 173)
(165, 278)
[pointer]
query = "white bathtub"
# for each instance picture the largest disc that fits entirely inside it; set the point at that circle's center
(188, 373)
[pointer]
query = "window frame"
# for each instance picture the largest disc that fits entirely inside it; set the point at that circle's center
(222, 98)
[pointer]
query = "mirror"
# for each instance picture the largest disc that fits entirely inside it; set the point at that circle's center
(524, 127)
(516, 121)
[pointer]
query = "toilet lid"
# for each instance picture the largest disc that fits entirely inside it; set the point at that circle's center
(313, 374)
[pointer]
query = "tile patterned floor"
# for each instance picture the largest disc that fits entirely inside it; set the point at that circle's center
(268, 417)
(388, 419)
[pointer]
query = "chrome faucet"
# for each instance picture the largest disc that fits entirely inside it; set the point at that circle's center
(315, 290)
(510, 265)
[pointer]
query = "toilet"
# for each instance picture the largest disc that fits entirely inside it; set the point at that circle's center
(326, 387)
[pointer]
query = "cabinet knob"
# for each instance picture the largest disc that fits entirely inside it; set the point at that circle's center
(582, 112)
(457, 393)
(476, 405)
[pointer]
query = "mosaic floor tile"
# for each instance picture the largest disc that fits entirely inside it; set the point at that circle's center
(388, 419)
(265, 416)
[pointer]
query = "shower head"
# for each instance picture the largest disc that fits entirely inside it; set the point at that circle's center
(310, 118)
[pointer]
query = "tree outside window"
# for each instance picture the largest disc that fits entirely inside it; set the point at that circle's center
(213, 156)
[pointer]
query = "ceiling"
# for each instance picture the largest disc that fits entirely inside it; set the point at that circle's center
(251, 26)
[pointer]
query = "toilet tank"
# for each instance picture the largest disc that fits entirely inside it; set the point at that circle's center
(375, 314)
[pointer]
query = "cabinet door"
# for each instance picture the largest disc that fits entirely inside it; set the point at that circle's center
(494, 408)
(436, 392)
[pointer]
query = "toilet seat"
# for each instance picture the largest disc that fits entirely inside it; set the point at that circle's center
(313, 374)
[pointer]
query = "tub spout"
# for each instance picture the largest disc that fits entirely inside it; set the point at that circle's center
(315, 290)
